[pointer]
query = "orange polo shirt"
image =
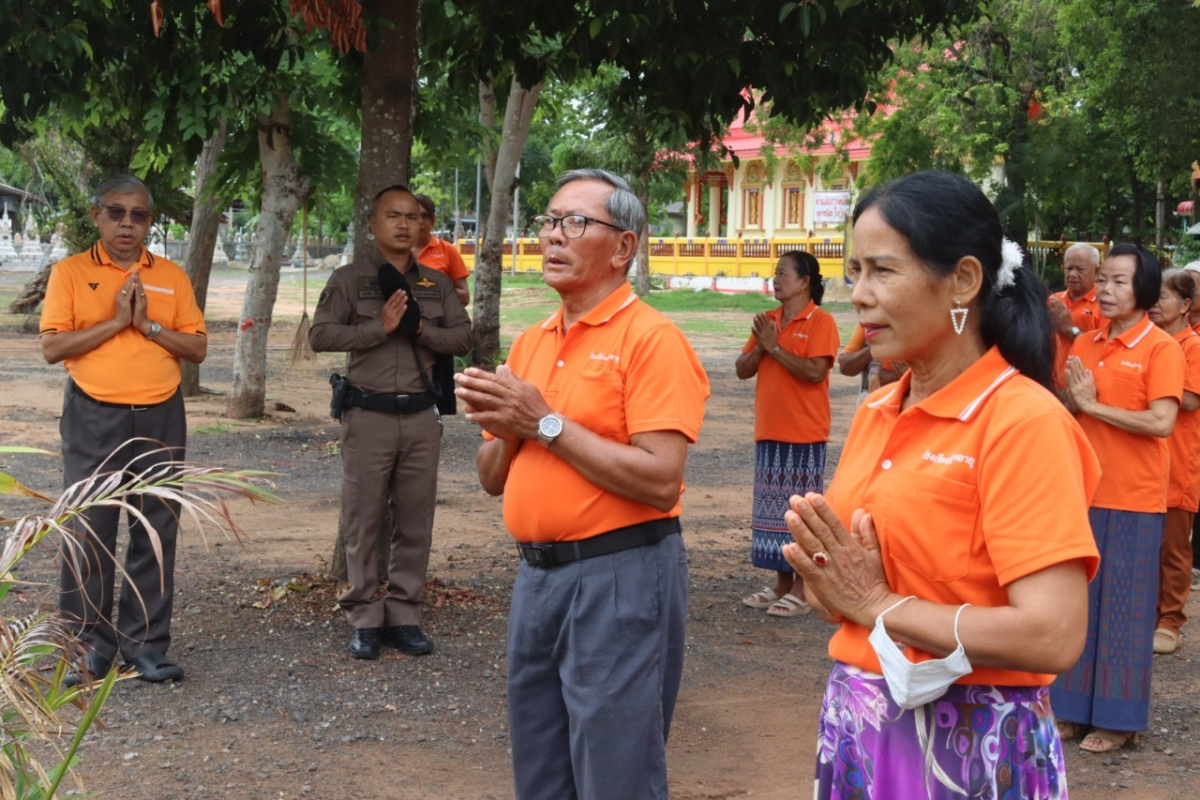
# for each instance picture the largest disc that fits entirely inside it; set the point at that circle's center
(1140, 365)
(622, 369)
(787, 408)
(1085, 315)
(128, 368)
(444, 257)
(963, 497)
(1183, 487)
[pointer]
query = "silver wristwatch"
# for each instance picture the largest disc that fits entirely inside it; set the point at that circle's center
(549, 427)
(155, 330)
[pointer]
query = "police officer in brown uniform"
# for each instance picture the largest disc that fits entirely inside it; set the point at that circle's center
(392, 315)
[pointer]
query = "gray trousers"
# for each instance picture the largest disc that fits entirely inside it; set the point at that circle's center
(595, 658)
(91, 433)
(388, 455)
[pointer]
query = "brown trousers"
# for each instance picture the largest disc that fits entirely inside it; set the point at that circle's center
(388, 455)
(1175, 569)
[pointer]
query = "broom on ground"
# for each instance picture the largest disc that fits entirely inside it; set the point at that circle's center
(301, 350)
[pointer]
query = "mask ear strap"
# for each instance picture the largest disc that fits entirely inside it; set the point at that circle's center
(895, 606)
(956, 616)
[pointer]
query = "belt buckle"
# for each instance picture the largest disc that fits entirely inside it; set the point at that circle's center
(538, 554)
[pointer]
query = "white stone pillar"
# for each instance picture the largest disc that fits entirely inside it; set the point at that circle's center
(714, 210)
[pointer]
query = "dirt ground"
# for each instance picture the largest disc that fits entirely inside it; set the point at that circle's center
(274, 707)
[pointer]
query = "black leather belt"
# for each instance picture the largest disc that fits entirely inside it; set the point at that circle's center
(127, 406)
(389, 403)
(550, 554)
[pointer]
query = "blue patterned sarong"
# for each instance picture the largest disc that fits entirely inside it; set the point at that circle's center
(781, 470)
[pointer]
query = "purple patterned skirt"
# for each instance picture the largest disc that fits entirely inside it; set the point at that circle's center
(995, 742)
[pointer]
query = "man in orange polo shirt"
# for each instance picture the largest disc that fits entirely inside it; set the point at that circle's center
(120, 319)
(1074, 310)
(587, 429)
(439, 254)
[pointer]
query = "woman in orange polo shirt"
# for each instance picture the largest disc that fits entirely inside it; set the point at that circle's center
(790, 353)
(1124, 382)
(1176, 299)
(946, 527)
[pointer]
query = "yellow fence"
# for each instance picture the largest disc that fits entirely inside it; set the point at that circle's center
(735, 258)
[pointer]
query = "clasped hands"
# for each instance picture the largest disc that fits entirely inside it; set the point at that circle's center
(763, 329)
(130, 304)
(851, 584)
(502, 404)
(1081, 384)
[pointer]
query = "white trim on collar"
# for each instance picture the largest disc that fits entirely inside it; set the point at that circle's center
(974, 405)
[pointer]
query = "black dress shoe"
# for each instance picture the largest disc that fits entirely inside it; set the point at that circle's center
(155, 667)
(365, 643)
(408, 639)
(93, 668)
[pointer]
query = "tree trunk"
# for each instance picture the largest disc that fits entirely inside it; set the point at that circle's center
(486, 327)
(284, 190)
(487, 121)
(641, 187)
(389, 91)
(389, 95)
(206, 218)
(31, 294)
(1160, 212)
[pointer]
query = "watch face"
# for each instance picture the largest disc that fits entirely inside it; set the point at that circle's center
(550, 426)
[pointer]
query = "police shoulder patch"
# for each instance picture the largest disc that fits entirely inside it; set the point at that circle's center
(326, 293)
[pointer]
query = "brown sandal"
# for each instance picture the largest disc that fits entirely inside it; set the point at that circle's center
(1102, 740)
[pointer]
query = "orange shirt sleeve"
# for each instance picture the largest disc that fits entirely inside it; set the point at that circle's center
(456, 268)
(665, 387)
(58, 309)
(1165, 372)
(188, 317)
(858, 340)
(824, 339)
(1012, 494)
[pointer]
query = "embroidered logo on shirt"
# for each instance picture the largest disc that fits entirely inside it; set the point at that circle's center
(604, 357)
(426, 282)
(1131, 365)
(94, 286)
(800, 335)
(159, 289)
(953, 458)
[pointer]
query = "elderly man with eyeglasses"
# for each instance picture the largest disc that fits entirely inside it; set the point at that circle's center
(586, 432)
(120, 319)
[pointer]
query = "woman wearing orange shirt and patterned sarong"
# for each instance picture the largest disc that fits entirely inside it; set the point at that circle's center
(791, 351)
(1125, 383)
(947, 519)
(1183, 492)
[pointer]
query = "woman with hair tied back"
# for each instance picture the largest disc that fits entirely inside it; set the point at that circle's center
(1170, 313)
(790, 353)
(950, 551)
(1125, 383)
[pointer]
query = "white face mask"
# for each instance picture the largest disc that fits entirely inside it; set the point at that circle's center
(913, 685)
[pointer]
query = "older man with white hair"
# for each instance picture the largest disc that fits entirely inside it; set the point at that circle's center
(1074, 310)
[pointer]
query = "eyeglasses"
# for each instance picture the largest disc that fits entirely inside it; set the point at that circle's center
(117, 214)
(573, 225)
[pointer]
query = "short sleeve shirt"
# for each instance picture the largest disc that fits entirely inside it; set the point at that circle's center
(1183, 488)
(621, 370)
(128, 368)
(788, 408)
(1131, 370)
(444, 257)
(963, 497)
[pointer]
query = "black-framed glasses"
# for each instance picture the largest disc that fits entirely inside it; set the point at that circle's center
(573, 225)
(117, 214)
